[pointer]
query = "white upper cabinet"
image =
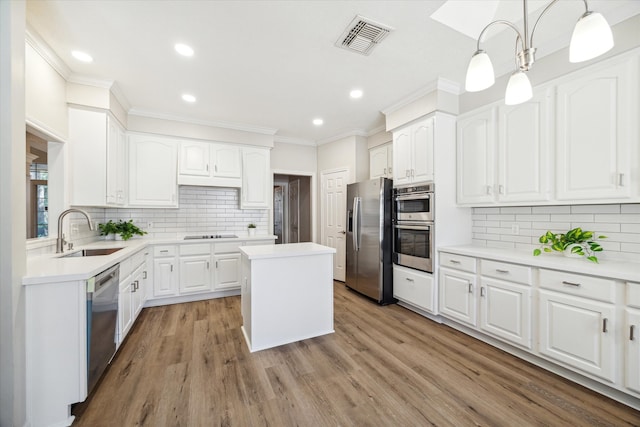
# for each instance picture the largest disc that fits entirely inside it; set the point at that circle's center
(413, 153)
(475, 157)
(503, 154)
(153, 171)
(98, 159)
(209, 164)
(381, 161)
(256, 178)
(597, 133)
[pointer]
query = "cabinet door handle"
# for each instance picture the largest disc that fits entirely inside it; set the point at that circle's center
(502, 271)
(454, 261)
(137, 285)
(604, 325)
(144, 274)
(409, 279)
(632, 329)
(384, 171)
(171, 267)
(164, 251)
(470, 288)
(407, 173)
(207, 265)
(621, 179)
(207, 168)
(489, 190)
(482, 291)
(501, 189)
(216, 265)
(390, 170)
(564, 282)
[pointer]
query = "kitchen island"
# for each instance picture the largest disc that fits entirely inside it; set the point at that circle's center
(287, 293)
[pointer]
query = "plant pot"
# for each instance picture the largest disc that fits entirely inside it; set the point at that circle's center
(110, 237)
(252, 231)
(569, 254)
(118, 237)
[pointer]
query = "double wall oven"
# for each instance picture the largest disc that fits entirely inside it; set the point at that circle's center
(413, 227)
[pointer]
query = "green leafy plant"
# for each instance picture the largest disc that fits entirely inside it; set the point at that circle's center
(579, 242)
(108, 228)
(252, 225)
(127, 229)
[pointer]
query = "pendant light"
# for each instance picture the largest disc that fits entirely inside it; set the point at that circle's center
(591, 38)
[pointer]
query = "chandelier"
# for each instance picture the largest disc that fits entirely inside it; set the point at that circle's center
(591, 38)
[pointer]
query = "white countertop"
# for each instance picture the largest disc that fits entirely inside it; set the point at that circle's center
(555, 261)
(52, 268)
(285, 250)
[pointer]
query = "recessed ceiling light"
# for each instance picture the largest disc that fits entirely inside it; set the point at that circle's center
(183, 49)
(81, 56)
(188, 98)
(318, 122)
(356, 93)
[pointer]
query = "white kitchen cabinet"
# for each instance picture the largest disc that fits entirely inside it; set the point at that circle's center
(228, 271)
(97, 159)
(415, 288)
(152, 171)
(125, 313)
(195, 268)
(596, 142)
(577, 322)
(165, 271)
(209, 164)
(413, 153)
(256, 192)
(381, 161)
(631, 338)
(457, 296)
(504, 155)
(138, 283)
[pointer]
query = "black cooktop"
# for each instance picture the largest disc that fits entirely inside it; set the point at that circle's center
(211, 236)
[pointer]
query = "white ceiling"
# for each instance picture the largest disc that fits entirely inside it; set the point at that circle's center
(273, 64)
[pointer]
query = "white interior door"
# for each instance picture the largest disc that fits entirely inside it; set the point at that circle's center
(334, 212)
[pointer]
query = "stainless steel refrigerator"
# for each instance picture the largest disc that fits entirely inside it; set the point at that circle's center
(369, 239)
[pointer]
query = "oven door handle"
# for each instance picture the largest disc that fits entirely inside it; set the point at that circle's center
(413, 227)
(414, 196)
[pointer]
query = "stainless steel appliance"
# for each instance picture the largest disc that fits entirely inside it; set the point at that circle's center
(413, 227)
(414, 203)
(102, 322)
(211, 236)
(369, 267)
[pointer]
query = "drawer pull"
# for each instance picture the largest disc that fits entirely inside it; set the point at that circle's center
(632, 329)
(482, 291)
(604, 325)
(164, 251)
(470, 287)
(144, 274)
(454, 261)
(502, 271)
(564, 282)
(409, 279)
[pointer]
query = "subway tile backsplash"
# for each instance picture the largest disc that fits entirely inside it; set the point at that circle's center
(520, 227)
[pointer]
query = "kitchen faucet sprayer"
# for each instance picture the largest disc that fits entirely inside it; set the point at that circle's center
(60, 240)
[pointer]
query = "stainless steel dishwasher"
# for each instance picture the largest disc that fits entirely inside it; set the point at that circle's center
(102, 322)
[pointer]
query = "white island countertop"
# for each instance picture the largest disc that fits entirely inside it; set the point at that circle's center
(285, 250)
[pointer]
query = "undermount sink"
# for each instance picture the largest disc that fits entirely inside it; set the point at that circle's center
(91, 252)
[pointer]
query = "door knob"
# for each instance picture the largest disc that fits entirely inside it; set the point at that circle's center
(343, 232)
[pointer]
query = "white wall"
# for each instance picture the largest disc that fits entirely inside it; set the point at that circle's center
(379, 138)
(45, 91)
(348, 153)
(294, 158)
(12, 213)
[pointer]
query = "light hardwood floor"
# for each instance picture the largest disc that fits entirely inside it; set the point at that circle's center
(188, 365)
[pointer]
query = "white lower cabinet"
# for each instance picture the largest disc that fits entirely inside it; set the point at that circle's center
(165, 271)
(415, 288)
(195, 268)
(505, 311)
(228, 271)
(457, 296)
(630, 335)
(125, 314)
(132, 292)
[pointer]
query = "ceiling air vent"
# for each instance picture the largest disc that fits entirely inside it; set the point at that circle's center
(362, 35)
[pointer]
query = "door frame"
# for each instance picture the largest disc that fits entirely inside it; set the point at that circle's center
(314, 195)
(323, 174)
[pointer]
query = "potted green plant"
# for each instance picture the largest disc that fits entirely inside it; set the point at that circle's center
(108, 229)
(574, 242)
(127, 229)
(251, 229)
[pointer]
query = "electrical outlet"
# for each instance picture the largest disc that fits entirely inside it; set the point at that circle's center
(149, 225)
(515, 229)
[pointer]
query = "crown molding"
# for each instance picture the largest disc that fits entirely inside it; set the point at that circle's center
(225, 125)
(44, 50)
(355, 132)
(377, 130)
(441, 84)
(90, 81)
(116, 90)
(292, 140)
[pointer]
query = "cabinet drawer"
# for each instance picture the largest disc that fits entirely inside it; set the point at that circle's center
(196, 249)
(459, 262)
(414, 288)
(219, 248)
(575, 284)
(125, 268)
(633, 294)
(164, 251)
(506, 271)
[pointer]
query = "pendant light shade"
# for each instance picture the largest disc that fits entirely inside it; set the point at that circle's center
(518, 89)
(591, 38)
(479, 73)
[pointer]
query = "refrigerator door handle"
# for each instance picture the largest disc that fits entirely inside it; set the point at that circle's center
(356, 223)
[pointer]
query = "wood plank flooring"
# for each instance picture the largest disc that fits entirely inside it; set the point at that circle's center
(188, 365)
